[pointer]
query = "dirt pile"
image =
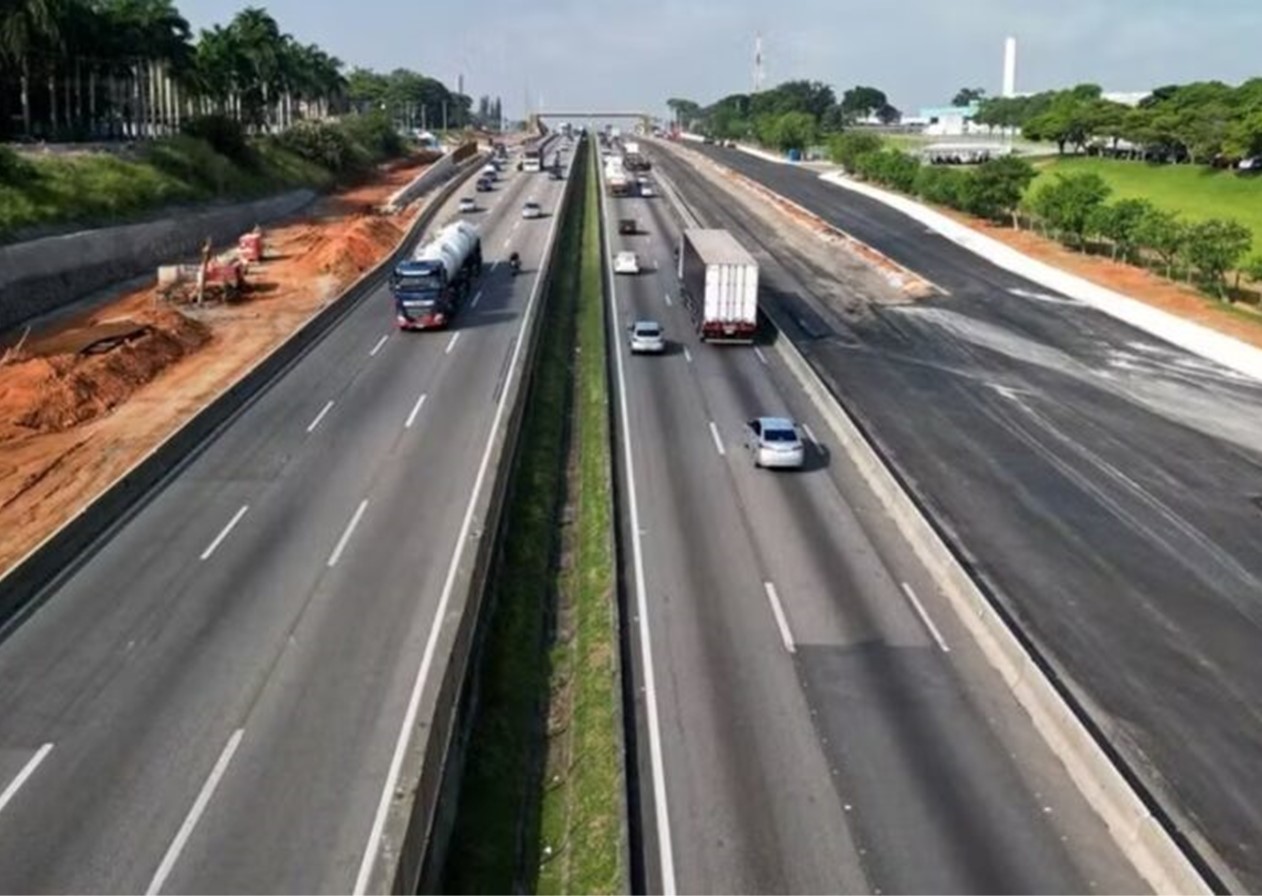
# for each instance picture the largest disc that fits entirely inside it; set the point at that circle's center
(52, 393)
(357, 249)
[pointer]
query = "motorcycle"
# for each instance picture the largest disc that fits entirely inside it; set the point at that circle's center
(514, 262)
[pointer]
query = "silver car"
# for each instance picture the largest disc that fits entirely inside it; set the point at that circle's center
(774, 442)
(646, 337)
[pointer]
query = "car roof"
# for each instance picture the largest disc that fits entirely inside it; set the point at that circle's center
(775, 422)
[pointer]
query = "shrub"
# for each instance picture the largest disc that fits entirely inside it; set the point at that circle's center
(890, 167)
(1119, 223)
(1214, 247)
(325, 144)
(846, 148)
(1164, 234)
(1068, 203)
(14, 169)
(944, 186)
(995, 189)
(375, 134)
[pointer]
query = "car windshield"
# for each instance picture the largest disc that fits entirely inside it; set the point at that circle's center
(779, 435)
(648, 330)
(427, 283)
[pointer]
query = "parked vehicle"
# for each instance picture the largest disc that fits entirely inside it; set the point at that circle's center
(429, 287)
(774, 442)
(719, 284)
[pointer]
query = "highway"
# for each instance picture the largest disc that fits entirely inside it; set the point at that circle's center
(810, 718)
(1105, 485)
(211, 701)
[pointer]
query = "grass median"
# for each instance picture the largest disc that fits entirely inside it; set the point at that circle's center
(541, 803)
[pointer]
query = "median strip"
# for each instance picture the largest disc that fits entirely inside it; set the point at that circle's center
(541, 800)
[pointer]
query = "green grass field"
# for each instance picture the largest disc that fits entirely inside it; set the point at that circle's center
(1193, 191)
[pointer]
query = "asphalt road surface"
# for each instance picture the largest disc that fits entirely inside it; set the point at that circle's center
(824, 725)
(1106, 484)
(211, 701)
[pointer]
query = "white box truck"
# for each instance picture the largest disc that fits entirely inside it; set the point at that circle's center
(719, 284)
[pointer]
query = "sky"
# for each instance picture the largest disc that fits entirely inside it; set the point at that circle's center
(633, 54)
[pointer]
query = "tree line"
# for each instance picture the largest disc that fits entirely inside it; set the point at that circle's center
(795, 114)
(1075, 209)
(110, 69)
(1206, 122)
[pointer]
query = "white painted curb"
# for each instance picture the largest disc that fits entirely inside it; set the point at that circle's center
(1193, 337)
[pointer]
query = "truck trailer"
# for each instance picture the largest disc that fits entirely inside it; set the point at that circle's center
(429, 287)
(719, 285)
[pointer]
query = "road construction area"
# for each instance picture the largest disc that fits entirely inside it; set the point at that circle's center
(85, 397)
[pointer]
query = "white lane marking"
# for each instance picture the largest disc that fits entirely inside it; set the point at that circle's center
(666, 296)
(718, 441)
(806, 428)
(346, 536)
(665, 849)
(782, 622)
(761, 356)
(380, 342)
(507, 240)
(194, 814)
(514, 227)
(320, 416)
(416, 409)
(27, 770)
(373, 847)
(223, 533)
(687, 355)
(924, 617)
(455, 337)
(477, 298)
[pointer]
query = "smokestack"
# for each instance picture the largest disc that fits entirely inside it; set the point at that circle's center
(1010, 67)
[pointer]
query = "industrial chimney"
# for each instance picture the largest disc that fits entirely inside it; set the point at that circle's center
(1010, 67)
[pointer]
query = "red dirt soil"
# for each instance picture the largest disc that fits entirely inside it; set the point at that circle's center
(70, 424)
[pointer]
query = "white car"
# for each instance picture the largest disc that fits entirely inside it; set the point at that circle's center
(467, 204)
(646, 336)
(774, 442)
(531, 210)
(626, 263)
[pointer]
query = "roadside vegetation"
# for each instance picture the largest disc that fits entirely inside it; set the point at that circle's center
(541, 801)
(141, 114)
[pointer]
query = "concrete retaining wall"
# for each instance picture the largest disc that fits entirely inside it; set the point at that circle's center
(436, 173)
(42, 275)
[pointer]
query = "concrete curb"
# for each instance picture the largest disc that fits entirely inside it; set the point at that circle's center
(27, 582)
(1141, 835)
(1193, 337)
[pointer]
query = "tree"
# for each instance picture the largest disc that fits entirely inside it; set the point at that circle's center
(1164, 234)
(685, 111)
(1253, 270)
(861, 102)
(888, 114)
(995, 188)
(25, 26)
(845, 149)
(1067, 204)
(1119, 223)
(969, 95)
(1214, 247)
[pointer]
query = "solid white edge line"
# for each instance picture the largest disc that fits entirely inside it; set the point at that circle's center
(27, 770)
(416, 409)
(806, 428)
(687, 355)
(320, 416)
(194, 814)
(455, 337)
(380, 342)
(761, 356)
(478, 297)
(924, 617)
(369, 860)
(223, 533)
(346, 536)
(718, 441)
(665, 849)
(782, 622)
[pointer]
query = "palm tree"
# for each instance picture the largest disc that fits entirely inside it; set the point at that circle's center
(25, 27)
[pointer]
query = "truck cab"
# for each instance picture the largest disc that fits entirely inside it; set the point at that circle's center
(422, 299)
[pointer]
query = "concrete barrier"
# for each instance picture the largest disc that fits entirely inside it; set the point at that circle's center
(1192, 337)
(34, 577)
(39, 276)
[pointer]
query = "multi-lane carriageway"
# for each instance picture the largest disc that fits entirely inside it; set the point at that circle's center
(213, 701)
(811, 717)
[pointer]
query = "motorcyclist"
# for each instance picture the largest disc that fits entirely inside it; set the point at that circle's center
(514, 262)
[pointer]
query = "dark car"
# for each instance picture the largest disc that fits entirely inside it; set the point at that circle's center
(627, 226)
(484, 185)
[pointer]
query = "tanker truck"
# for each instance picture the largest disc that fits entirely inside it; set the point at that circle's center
(429, 287)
